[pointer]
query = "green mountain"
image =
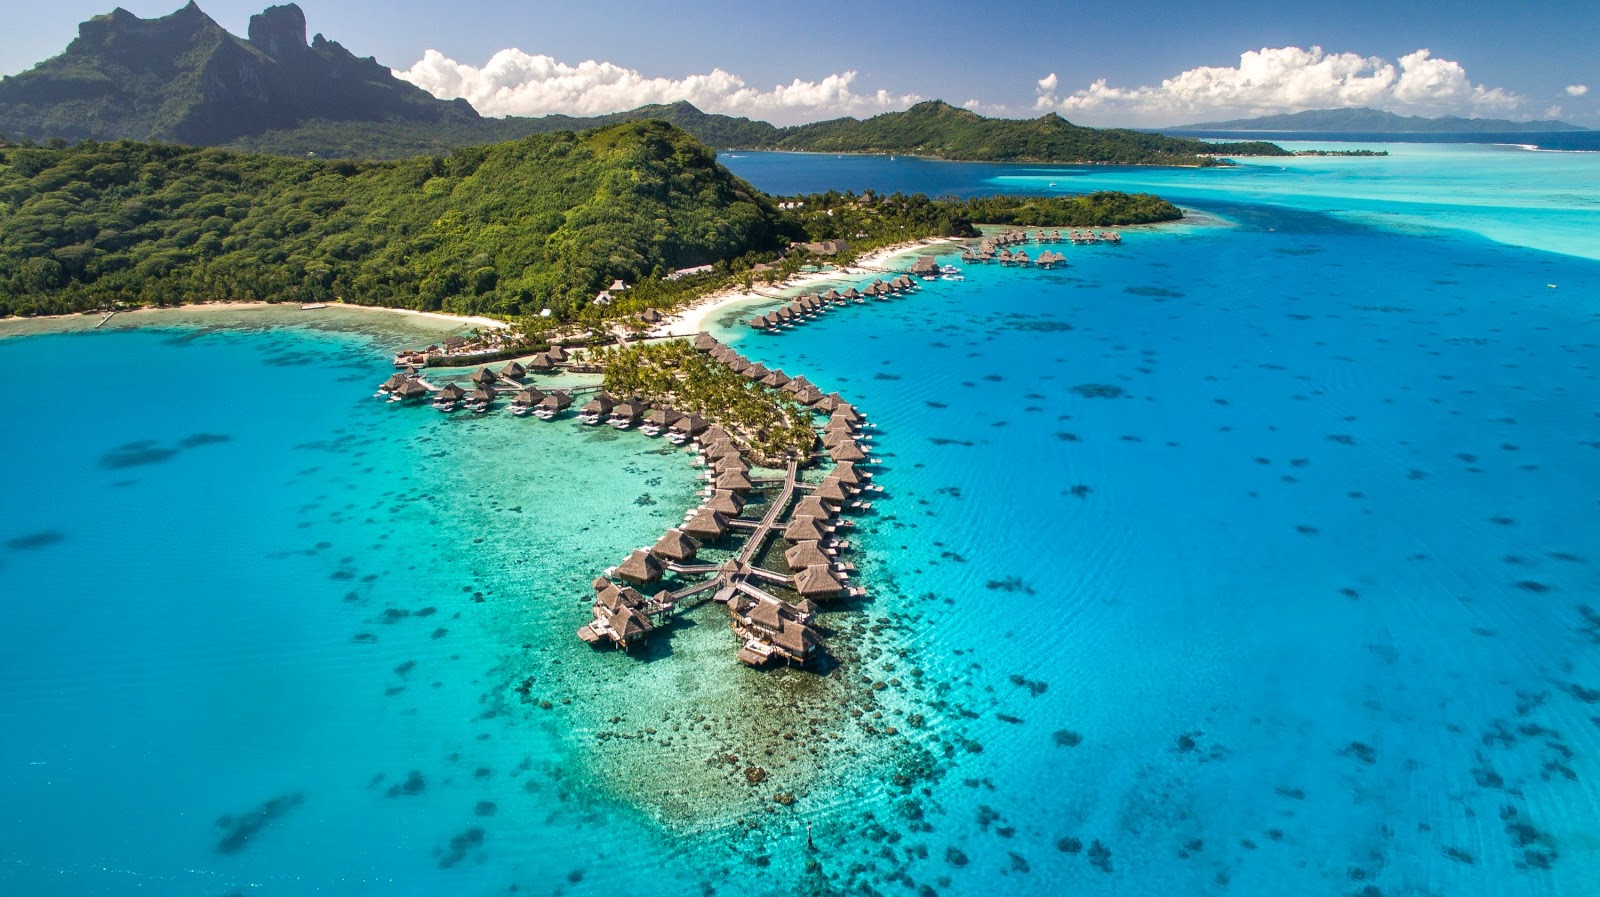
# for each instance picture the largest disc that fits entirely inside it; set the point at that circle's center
(942, 131)
(507, 229)
(1378, 121)
(182, 78)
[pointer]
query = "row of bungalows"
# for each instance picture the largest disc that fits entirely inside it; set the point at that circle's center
(402, 387)
(809, 305)
(1089, 236)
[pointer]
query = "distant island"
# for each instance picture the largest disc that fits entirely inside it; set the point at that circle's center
(183, 78)
(1377, 121)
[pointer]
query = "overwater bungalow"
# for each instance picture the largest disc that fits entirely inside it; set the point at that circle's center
(686, 427)
(480, 399)
(808, 395)
(558, 354)
(513, 371)
(526, 401)
(712, 435)
(846, 451)
(730, 462)
(658, 420)
(541, 363)
(449, 397)
(705, 342)
(1021, 258)
(772, 628)
(394, 382)
(831, 489)
(408, 391)
(806, 554)
(827, 403)
(756, 371)
(805, 529)
(722, 449)
(775, 379)
(926, 267)
(552, 404)
(726, 502)
(833, 439)
(738, 366)
(676, 546)
(734, 481)
(847, 474)
(596, 408)
(621, 626)
(832, 295)
(625, 414)
(641, 568)
(760, 322)
(812, 506)
(783, 315)
(484, 377)
(707, 525)
(818, 581)
(845, 411)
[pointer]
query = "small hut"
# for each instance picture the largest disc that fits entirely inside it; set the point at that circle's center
(705, 342)
(734, 481)
(817, 581)
(676, 546)
(846, 451)
(513, 371)
(558, 354)
(411, 389)
(812, 506)
(525, 401)
(726, 502)
(484, 377)
(640, 568)
(847, 474)
(712, 435)
(552, 404)
(707, 525)
(542, 363)
(804, 529)
(831, 489)
(806, 554)
(447, 398)
(480, 399)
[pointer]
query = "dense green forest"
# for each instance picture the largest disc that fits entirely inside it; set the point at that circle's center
(509, 230)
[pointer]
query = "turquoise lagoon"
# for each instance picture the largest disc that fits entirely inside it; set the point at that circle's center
(1255, 556)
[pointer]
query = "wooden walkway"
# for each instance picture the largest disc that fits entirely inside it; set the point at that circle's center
(752, 547)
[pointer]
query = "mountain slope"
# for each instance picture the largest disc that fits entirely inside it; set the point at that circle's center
(1377, 121)
(183, 78)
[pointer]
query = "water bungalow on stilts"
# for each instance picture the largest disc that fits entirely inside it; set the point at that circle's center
(597, 408)
(448, 397)
(552, 404)
(479, 400)
(640, 568)
(706, 525)
(526, 400)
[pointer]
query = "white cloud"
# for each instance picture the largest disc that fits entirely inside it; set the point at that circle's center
(1288, 79)
(1577, 90)
(515, 83)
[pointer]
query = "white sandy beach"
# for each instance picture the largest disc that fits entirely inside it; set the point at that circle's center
(695, 318)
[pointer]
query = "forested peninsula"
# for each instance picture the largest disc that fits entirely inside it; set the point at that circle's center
(532, 228)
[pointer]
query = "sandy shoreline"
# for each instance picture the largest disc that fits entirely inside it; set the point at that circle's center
(695, 318)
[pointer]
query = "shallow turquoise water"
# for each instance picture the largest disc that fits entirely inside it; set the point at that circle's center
(1257, 554)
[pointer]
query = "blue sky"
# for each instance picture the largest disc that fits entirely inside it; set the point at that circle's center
(1488, 59)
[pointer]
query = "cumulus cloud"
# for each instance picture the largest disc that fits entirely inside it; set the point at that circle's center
(1288, 79)
(516, 83)
(1577, 90)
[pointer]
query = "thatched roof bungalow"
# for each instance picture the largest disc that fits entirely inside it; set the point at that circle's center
(846, 451)
(805, 529)
(513, 371)
(689, 425)
(734, 481)
(812, 506)
(806, 554)
(640, 568)
(830, 489)
(726, 503)
(817, 581)
(707, 525)
(675, 545)
(705, 342)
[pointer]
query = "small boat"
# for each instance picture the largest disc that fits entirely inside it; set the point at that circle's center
(313, 306)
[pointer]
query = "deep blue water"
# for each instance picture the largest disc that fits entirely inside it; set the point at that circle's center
(1251, 557)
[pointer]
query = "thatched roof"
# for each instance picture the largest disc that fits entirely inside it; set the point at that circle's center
(796, 639)
(541, 362)
(817, 580)
(482, 394)
(812, 506)
(713, 435)
(831, 296)
(612, 597)
(394, 382)
(705, 342)
(830, 489)
(630, 409)
(674, 545)
(806, 610)
(808, 395)
(734, 480)
(484, 375)
(707, 525)
(556, 401)
(629, 624)
(450, 393)
(726, 503)
(662, 417)
(846, 473)
(852, 293)
(727, 463)
(557, 353)
(410, 390)
(600, 404)
(806, 554)
(640, 567)
(804, 529)
(846, 451)
(513, 371)
(691, 424)
(846, 411)
(723, 449)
